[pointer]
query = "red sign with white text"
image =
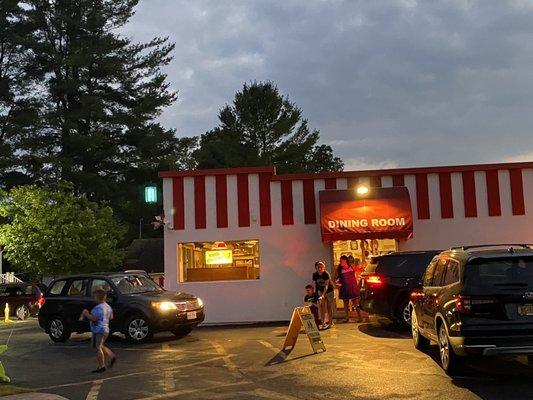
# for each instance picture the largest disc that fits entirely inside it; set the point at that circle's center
(382, 213)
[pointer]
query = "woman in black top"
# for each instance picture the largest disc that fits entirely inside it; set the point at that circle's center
(324, 288)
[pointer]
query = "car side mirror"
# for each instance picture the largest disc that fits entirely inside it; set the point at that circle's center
(111, 297)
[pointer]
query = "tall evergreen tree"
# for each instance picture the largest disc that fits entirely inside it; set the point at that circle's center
(99, 95)
(18, 112)
(262, 127)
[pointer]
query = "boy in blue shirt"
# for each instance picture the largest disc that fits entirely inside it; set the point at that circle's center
(99, 318)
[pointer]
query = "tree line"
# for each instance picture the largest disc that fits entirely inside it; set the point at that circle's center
(79, 103)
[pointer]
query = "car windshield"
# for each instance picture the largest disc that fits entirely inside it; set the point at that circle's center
(502, 272)
(127, 284)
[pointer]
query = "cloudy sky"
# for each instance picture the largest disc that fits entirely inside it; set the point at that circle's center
(387, 83)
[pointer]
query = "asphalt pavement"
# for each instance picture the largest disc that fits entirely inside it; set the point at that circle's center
(362, 361)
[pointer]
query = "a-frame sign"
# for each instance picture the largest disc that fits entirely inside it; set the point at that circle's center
(302, 317)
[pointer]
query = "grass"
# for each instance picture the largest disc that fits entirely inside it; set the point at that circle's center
(6, 390)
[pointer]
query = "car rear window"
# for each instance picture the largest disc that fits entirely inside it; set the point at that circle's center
(15, 290)
(401, 265)
(57, 288)
(505, 273)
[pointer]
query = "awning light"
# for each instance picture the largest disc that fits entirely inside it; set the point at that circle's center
(362, 190)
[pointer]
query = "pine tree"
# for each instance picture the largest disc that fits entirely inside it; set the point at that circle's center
(262, 127)
(99, 96)
(18, 113)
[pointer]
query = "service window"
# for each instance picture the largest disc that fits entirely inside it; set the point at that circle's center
(452, 273)
(219, 261)
(57, 288)
(78, 288)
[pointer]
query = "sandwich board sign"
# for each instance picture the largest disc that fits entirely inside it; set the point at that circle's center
(303, 318)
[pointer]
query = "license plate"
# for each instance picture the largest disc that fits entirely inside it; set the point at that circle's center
(525, 309)
(191, 315)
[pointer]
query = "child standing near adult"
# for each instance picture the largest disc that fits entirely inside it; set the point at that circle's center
(311, 299)
(99, 318)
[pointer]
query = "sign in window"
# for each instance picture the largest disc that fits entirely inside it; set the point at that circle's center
(219, 261)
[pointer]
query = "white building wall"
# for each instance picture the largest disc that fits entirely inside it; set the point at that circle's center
(288, 252)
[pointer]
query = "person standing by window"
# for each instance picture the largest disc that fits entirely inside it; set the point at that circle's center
(324, 289)
(348, 288)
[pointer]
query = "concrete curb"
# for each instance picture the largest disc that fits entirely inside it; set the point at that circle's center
(33, 396)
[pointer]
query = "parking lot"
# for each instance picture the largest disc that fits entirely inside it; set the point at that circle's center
(364, 361)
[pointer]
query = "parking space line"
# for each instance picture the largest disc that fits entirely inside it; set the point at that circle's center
(177, 368)
(269, 346)
(274, 349)
(270, 394)
(169, 383)
(95, 390)
(219, 386)
(230, 365)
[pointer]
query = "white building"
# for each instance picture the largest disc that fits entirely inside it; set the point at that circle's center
(246, 239)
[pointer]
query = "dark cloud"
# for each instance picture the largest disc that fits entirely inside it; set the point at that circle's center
(386, 82)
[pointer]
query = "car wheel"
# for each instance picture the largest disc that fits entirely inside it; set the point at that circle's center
(181, 331)
(403, 315)
(22, 312)
(138, 329)
(451, 362)
(420, 342)
(58, 330)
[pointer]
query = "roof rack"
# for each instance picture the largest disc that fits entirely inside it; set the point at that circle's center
(508, 245)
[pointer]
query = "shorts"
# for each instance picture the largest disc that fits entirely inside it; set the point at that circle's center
(330, 295)
(98, 340)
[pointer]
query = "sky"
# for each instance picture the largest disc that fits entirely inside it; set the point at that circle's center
(387, 83)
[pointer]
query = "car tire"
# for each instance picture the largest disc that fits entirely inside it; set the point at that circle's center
(22, 312)
(403, 315)
(137, 329)
(451, 363)
(420, 342)
(181, 331)
(58, 330)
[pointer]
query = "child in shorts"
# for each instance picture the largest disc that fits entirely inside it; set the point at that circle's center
(311, 299)
(99, 318)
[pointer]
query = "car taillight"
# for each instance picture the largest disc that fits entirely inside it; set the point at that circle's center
(416, 295)
(41, 301)
(468, 304)
(374, 280)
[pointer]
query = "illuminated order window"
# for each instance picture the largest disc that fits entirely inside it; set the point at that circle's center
(219, 261)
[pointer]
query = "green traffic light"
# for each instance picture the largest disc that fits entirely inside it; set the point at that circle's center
(150, 194)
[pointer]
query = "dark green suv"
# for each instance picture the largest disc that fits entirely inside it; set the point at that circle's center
(475, 300)
(140, 306)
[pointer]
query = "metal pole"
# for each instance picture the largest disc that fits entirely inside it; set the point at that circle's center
(1, 260)
(141, 228)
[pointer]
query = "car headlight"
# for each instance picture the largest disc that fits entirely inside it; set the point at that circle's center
(200, 302)
(165, 305)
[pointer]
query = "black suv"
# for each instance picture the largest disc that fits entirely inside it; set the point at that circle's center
(388, 280)
(476, 300)
(140, 306)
